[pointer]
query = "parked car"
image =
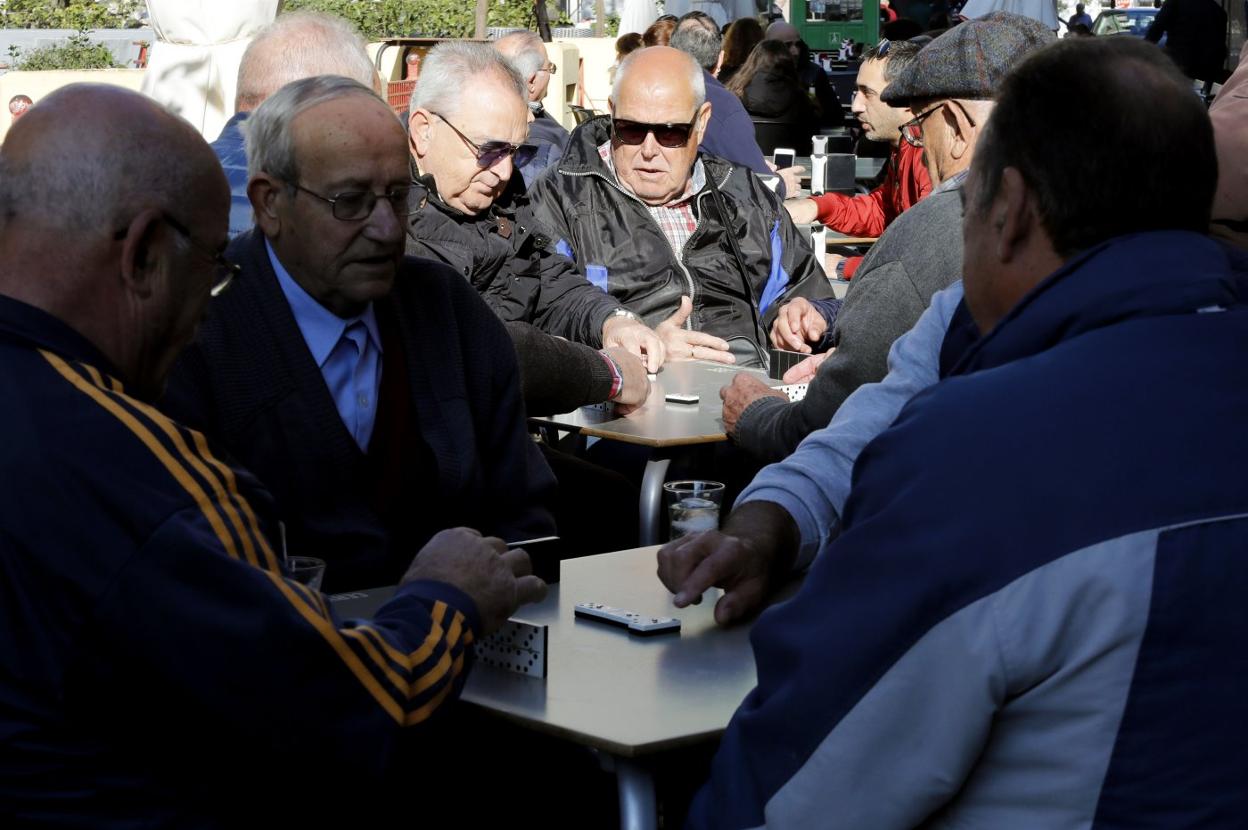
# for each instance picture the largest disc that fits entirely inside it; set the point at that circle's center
(1133, 22)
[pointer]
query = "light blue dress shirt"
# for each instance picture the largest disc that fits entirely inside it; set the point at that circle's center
(348, 353)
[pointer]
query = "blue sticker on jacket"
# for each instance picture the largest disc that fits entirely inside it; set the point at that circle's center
(778, 280)
(597, 275)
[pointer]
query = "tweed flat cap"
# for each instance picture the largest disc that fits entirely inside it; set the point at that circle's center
(969, 60)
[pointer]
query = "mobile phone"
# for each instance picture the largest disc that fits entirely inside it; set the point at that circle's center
(783, 157)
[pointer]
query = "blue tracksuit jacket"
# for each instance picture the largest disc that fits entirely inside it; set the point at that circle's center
(1037, 613)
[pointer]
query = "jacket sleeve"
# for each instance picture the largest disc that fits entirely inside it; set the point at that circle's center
(568, 304)
(812, 484)
(880, 306)
(861, 215)
(557, 375)
(246, 671)
(519, 484)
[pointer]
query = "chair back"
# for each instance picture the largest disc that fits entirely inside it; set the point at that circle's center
(771, 133)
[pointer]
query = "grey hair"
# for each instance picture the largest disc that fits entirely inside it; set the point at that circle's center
(525, 50)
(697, 40)
(270, 145)
(697, 81)
(451, 65)
(299, 45)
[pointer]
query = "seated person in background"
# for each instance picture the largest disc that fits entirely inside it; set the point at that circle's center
(624, 46)
(375, 396)
(906, 180)
(643, 214)
(742, 36)
(157, 670)
(467, 122)
(730, 133)
(767, 86)
(811, 76)
(659, 33)
(527, 54)
(296, 45)
(1024, 622)
(950, 85)
(1229, 113)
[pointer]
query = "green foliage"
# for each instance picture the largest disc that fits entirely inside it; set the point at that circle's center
(79, 52)
(378, 19)
(70, 14)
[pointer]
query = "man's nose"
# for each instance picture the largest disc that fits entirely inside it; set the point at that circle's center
(384, 223)
(504, 168)
(650, 147)
(859, 103)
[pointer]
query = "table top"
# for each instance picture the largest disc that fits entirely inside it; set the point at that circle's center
(660, 423)
(612, 690)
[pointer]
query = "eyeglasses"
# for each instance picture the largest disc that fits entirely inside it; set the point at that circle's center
(225, 271)
(492, 152)
(354, 205)
(635, 132)
(549, 68)
(912, 130)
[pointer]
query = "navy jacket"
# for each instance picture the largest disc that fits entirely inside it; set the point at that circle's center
(465, 458)
(1035, 616)
(156, 670)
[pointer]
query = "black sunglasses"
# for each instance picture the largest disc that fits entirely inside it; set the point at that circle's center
(635, 132)
(492, 152)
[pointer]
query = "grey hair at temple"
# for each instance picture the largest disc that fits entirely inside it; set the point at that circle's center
(525, 50)
(450, 66)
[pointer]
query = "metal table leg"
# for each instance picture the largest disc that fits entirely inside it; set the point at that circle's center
(638, 806)
(652, 499)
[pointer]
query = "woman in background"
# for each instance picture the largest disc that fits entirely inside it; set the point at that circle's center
(767, 85)
(743, 35)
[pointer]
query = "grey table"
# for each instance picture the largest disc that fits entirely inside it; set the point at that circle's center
(628, 697)
(660, 425)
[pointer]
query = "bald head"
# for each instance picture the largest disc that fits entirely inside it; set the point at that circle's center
(787, 34)
(300, 45)
(123, 206)
(660, 68)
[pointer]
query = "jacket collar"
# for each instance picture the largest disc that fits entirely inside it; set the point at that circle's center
(36, 327)
(1155, 274)
(503, 205)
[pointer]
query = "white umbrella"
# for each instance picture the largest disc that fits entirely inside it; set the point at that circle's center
(1043, 10)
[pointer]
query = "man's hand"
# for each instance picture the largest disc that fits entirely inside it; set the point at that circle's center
(637, 337)
(805, 371)
(803, 211)
(636, 387)
(830, 261)
(798, 326)
(691, 345)
(792, 178)
(749, 559)
(743, 391)
(498, 580)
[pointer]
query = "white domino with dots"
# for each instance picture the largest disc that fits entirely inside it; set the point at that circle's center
(795, 391)
(518, 646)
(634, 622)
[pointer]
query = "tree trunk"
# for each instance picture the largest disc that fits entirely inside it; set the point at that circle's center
(543, 20)
(600, 18)
(483, 9)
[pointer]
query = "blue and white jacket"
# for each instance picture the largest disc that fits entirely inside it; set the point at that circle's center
(1037, 614)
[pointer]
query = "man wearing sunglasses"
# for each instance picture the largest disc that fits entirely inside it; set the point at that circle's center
(697, 246)
(376, 396)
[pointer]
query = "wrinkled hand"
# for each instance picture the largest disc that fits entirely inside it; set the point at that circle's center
(805, 371)
(743, 391)
(691, 345)
(636, 386)
(637, 338)
(801, 210)
(830, 261)
(498, 580)
(749, 559)
(798, 326)
(792, 178)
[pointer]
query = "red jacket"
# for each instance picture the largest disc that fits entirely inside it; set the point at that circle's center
(868, 214)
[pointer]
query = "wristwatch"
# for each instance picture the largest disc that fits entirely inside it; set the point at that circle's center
(624, 312)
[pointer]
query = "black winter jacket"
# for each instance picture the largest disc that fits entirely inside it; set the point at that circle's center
(614, 239)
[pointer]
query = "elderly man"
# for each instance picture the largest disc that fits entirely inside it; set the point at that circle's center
(905, 181)
(1025, 623)
(296, 45)
(527, 54)
(375, 396)
(949, 86)
(644, 215)
(467, 127)
(157, 669)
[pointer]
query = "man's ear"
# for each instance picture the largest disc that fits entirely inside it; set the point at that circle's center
(265, 191)
(1013, 215)
(702, 118)
(141, 252)
(962, 131)
(719, 63)
(532, 84)
(419, 127)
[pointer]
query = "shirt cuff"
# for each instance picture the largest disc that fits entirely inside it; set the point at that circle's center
(617, 376)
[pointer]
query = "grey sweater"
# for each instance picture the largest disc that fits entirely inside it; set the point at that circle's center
(919, 254)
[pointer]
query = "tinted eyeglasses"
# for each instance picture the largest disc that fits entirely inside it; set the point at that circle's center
(354, 205)
(225, 271)
(492, 152)
(635, 132)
